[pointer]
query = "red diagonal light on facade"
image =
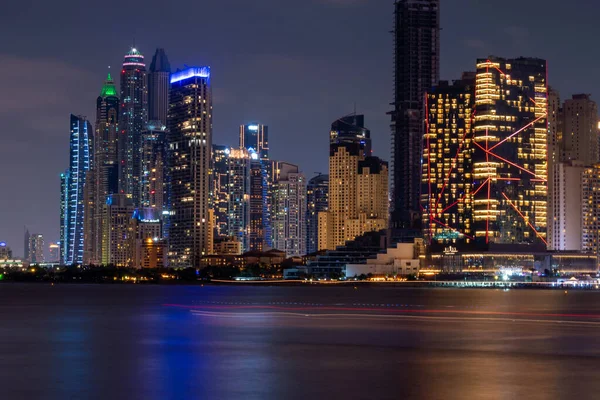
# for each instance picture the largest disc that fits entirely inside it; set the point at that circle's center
(524, 218)
(517, 132)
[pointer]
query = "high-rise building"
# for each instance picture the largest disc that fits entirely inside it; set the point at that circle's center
(72, 196)
(63, 234)
(567, 206)
(416, 70)
(54, 252)
(590, 232)
(190, 146)
(316, 202)
(554, 158)
(289, 211)
(26, 245)
(219, 198)
(257, 204)
(118, 236)
(238, 191)
(351, 170)
(446, 178)
(154, 167)
(5, 252)
(102, 179)
(133, 119)
(35, 249)
(580, 138)
(510, 151)
(256, 137)
(158, 87)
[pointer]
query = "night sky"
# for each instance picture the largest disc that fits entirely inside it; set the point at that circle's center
(293, 65)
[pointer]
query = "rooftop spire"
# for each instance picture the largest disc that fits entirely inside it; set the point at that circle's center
(108, 89)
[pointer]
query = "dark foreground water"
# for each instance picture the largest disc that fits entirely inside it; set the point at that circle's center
(313, 342)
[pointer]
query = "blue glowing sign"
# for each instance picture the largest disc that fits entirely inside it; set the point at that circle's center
(2, 244)
(202, 72)
(253, 127)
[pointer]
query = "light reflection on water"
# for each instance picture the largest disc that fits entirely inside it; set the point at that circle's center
(121, 342)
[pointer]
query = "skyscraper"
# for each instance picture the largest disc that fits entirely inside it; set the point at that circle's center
(72, 184)
(238, 191)
(510, 150)
(317, 201)
(190, 145)
(255, 136)
(581, 136)
(554, 158)
(590, 212)
(158, 87)
(118, 237)
(447, 166)
(154, 167)
(416, 70)
(35, 249)
(289, 211)
(54, 252)
(219, 187)
(351, 170)
(134, 115)
(102, 179)
(258, 203)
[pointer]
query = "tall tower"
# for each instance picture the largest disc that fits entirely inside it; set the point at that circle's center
(255, 136)
(581, 136)
(554, 158)
(416, 70)
(118, 236)
(102, 179)
(447, 165)
(36, 249)
(190, 144)
(316, 202)
(134, 115)
(158, 87)
(349, 215)
(72, 196)
(219, 187)
(258, 192)
(510, 151)
(289, 211)
(154, 167)
(238, 192)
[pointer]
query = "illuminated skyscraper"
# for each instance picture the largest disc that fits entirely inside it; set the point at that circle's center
(317, 200)
(154, 167)
(416, 70)
(510, 149)
(134, 116)
(353, 210)
(258, 204)
(190, 146)
(446, 177)
(158, 87)
(35, 248)
(102, 179)
(238, 220)
(72, 184)
(590, 236)
(54, 252)
(289, 211)
(255, 136)
(554, 158)
(219, 198)
(118, 237)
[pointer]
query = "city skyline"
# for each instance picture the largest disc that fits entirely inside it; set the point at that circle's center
(85, 72)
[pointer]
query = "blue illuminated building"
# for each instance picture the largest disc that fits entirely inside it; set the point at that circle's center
(72, 184)
(189, 137)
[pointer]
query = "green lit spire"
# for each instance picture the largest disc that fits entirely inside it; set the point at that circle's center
(108, 89)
